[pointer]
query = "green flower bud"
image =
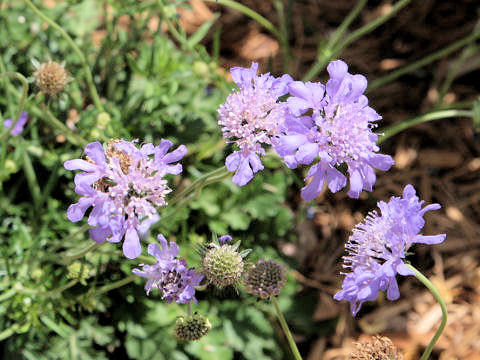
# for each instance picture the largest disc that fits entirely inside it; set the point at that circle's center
(265, 278)
(201, 69)
(11, 166)
(79, 271)
(192, 327)
(103, 119)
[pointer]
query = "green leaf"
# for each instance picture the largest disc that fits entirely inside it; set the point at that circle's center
(202, 31)
(236, 219)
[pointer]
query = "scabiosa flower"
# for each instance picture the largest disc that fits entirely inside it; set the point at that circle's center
(18, 128)
(170, 275)
(265, 278)
(192, 327)
(377, 247)
(125, 185)
(251, 117)
(337, 130)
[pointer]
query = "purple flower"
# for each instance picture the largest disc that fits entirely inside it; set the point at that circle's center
(251, 117)
(169, 274)
(377, 247)
(224, 239)
(18, 128)
(338, 131)
(124, 185)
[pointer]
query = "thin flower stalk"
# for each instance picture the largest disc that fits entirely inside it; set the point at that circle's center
(438, 297)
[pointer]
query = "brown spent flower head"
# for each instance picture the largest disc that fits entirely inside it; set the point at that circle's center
(192, 327)
(265, 278)
(51, 78)
(377, 348)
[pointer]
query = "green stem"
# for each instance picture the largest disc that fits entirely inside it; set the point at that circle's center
(352, 15)
(21, 105)
(7, 294)
(117, 284)
(331, 52)
(50, 293)
(252, 14)
(31, 179)
(83, 60)
(181, 38)
(284, 35)
(438, 297)
(189, 308)
(193, 186)
(286, 330)
(60, 289)
(326, 53)
(371, 25)
(83, 252)
(9, 332)
(56, 124)
(193, 195)
(422, 62)
(442, 114)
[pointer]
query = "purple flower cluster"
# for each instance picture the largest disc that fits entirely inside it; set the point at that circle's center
(377, 247)
(251, 117)
(124, 185)
(169, 274)
(18, 128)
(324, 125)
(333, 124)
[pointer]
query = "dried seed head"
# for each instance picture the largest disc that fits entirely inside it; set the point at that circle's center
(192, 327)
(377, 348)
(265, 278)
(223, 265)
(51, 78)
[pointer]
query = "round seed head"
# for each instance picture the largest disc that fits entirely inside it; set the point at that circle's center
(192, 327)
(51, 78)
(265, 278)
(223, 265)
(377, 348)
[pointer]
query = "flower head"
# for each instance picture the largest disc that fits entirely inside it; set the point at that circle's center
(265, 278)
(170, 275)
(125, 185)
(192, 327)
(18, 128)
(377, 247)
(51, 77)
(378, 347)
(222, 262)
(252, 117)
(338, 130)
